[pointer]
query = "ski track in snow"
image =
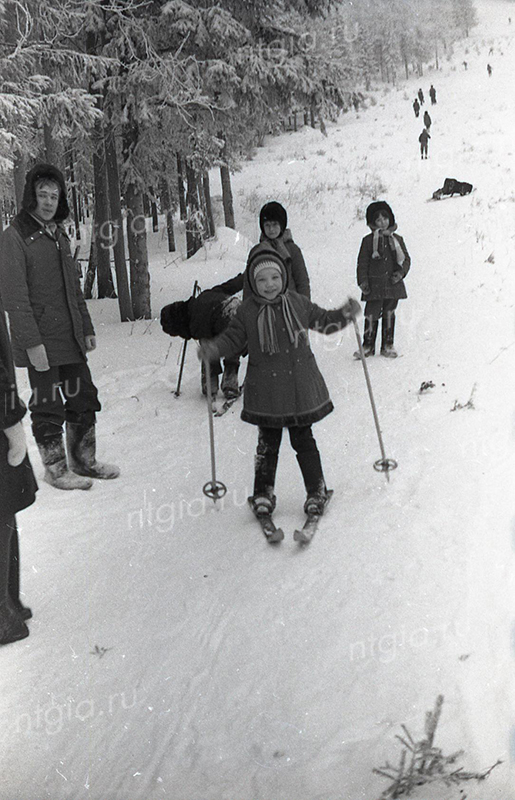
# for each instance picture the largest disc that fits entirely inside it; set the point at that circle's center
(173, 652)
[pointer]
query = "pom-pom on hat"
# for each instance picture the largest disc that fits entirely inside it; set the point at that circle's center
(376, 208)
(273, 212)
(50, 173)
(264, 255)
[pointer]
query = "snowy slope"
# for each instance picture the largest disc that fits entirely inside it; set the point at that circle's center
(173, 653)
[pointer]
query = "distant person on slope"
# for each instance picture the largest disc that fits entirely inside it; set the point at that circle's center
(424, 139)
(432, 95)
(427, 120)
(383, 263)
(284, 387)
(421, 96)
(489, 70)
(416, 106)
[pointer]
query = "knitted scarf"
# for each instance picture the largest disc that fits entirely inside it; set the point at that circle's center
(266, 322)
(394, 243)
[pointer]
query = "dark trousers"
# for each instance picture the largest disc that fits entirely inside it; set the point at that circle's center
(374, 310)
(63, 393)
(231, 367)
(267, 455)
(9, 560)
(423, 149)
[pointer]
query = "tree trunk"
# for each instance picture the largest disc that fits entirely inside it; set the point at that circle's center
(101, 223)
(180, 188)
(228, 205)
(193, 223)
(153, 212)
(120, 264)
(91, 268)
(74, 197)
(146, 204)
(209, 208)
(138, 253)
(167, 209)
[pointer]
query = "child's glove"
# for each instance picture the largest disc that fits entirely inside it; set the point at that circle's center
(396, 277)
(91, 342)
(351, 309)
(17, 444)
(365, 287)
(207, 351)
(38, 357)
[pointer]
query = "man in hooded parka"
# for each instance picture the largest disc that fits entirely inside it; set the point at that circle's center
(51, 331)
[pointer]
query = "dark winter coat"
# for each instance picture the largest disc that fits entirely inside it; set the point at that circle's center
(424, 137)
(41, 293)
(207, 316)
(286, 388)
(427, 120)
(17, 484)
(377, 272)
(291, 254)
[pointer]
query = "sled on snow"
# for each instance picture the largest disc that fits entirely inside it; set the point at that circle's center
(451, 187)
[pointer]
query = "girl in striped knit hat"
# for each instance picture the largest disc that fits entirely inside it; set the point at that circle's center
(383, 263)
(283, 386)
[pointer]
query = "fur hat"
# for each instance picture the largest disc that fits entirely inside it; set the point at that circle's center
(376, 208)
(45, 172)
(273, 212)
(260, 254)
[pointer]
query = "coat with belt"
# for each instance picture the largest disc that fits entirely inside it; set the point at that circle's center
(377, 272)
(286, 388)
(17, 484)
(40, 289)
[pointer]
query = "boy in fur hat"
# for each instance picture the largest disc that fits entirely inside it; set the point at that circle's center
(383, 263)
(283, 387)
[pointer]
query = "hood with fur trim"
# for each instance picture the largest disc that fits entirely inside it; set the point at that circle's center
(51, 173)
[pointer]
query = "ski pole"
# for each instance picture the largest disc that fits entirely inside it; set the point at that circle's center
(383, 464)
(213, 488)
(179, 379)
(183, 355)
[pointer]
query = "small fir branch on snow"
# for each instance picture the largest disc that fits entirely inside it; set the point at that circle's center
(422, 763)
(469, 404)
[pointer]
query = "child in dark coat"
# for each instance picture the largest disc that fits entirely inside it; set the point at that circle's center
(383, 263)
(273, 221)
(283, 387)
(209, 314)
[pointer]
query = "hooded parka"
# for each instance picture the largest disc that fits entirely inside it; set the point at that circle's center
(283, 388)
(41, 292)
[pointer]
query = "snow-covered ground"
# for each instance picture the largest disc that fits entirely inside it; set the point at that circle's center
(173, 652)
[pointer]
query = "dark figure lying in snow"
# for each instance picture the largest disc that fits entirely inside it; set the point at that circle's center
(452, 186)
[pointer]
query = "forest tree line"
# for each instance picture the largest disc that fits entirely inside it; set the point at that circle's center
(137, 100)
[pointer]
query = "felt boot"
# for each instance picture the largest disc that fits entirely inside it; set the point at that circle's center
(57, 473)
(81, 445)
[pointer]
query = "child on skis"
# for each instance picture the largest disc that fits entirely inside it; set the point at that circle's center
(284, 387)
(383, 263)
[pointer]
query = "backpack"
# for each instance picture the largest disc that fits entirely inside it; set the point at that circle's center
(175, 319)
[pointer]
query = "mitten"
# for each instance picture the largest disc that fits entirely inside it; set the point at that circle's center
(91, 343)
(365, 287)
(17, 444)
(351, 309)
(396, 277)
(38, 357)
